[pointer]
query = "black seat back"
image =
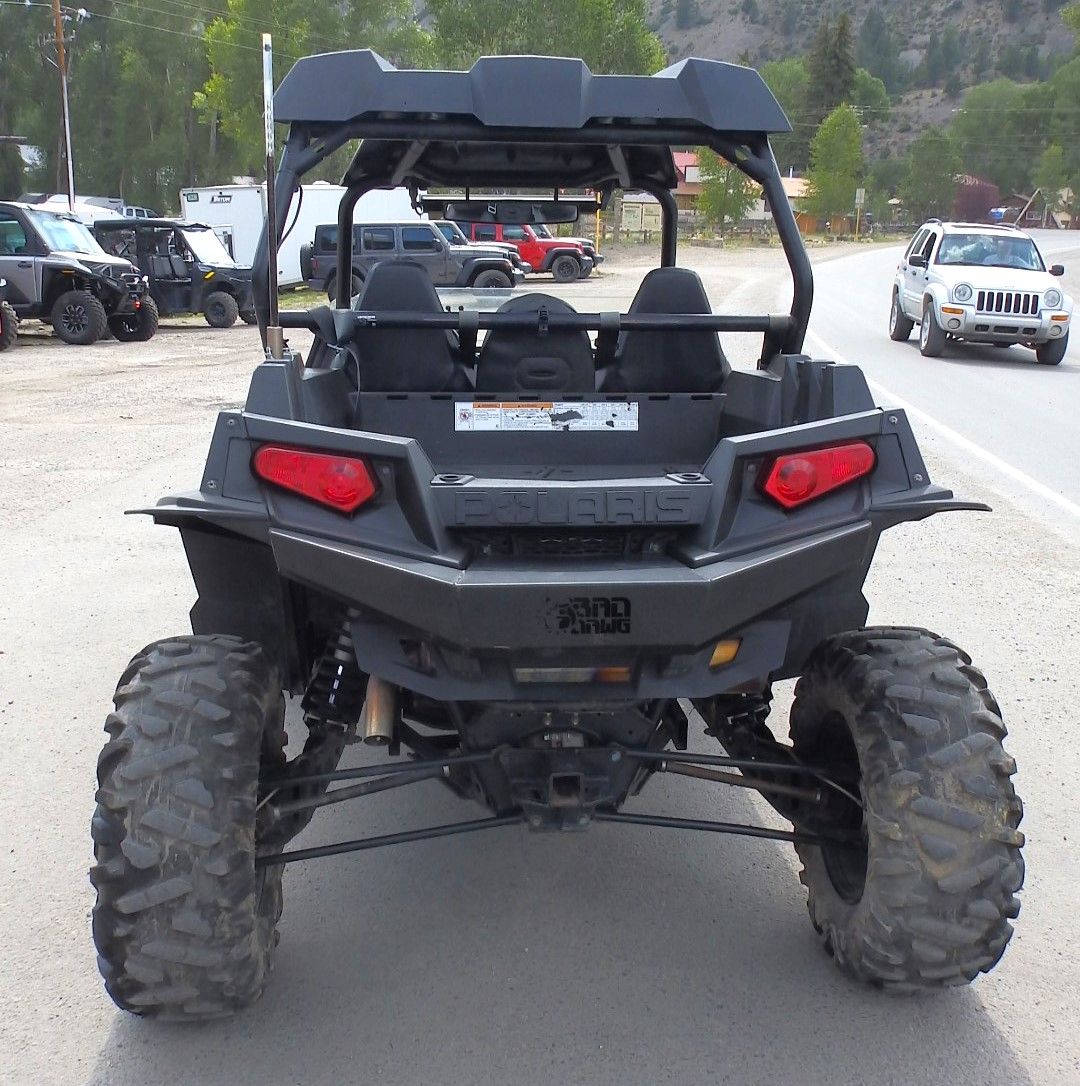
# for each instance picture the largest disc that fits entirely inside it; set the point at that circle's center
(180, 267)
(404, 359)
(530, 361)
(690, 361)
(161, 267)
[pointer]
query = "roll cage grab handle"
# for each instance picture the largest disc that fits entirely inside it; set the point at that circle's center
(754, 158)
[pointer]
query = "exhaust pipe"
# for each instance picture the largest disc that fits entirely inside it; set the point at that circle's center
(380, 712)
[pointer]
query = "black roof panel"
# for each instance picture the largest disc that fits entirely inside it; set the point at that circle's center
(527, 92)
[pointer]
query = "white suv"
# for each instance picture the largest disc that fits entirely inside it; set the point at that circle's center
(982, 284)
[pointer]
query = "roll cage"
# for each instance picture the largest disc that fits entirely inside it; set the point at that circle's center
(466, 129)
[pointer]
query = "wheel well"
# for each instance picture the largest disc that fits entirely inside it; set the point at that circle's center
(56, 284)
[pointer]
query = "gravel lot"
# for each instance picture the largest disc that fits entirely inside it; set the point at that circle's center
(621, 955)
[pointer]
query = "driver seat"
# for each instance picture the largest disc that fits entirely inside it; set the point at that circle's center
(680, 361)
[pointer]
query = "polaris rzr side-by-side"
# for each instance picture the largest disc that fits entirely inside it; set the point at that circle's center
(531, 553)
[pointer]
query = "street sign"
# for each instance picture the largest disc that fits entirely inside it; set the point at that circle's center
(860, 197)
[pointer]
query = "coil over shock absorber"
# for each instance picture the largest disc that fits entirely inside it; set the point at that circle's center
(332, 705)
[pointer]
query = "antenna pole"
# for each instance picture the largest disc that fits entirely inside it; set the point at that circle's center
(275, 342)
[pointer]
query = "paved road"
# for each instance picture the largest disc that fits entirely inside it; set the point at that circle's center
(623, 955)
(1015, 413)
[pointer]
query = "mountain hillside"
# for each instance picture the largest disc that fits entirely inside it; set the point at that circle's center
(762, 30)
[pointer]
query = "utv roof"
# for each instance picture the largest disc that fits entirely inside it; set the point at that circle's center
(149, 224)
(570, 127)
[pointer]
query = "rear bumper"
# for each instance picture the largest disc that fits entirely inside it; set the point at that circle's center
(481, 625)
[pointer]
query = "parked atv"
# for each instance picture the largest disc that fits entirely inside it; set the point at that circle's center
(9, 321)
(532, 566)
(57, 272)
(187, 267)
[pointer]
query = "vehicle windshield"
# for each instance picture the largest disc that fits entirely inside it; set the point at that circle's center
(452, 232)
(990, 251)
(207, 247)
(64, 234)
(542, 231)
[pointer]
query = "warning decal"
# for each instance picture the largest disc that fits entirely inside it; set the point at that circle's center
(554, 417)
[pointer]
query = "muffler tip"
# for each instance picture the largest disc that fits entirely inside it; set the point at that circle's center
(380, 712)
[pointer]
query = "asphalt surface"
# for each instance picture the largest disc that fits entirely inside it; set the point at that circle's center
(621, 955)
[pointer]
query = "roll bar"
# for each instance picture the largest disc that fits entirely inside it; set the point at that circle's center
(751, 154)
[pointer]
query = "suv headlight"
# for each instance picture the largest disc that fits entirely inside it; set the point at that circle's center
(962, 292)
(1052, 299)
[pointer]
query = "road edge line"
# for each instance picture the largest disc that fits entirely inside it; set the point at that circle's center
(958, 439)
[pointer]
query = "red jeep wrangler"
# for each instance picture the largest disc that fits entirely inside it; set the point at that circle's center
(565, 259)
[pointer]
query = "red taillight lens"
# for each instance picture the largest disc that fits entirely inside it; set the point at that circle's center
(796, 478)
(341, 482)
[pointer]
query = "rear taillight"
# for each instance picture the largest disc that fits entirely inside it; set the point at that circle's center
(343, 483)
(797, 478)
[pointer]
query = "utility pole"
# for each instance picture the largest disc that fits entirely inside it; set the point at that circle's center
(61, 65)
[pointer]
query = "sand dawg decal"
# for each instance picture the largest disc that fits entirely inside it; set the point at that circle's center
(588, 615)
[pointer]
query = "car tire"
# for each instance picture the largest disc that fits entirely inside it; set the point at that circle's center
(900, 325)
(565, 269)
(220, 309)
(249, 316)
(586, 271)
(355, 286)
(492, 279)
(9, 325)
(931, 334)
(926, 896)
(136, 327)
(1051, 354)
(78, 317)
(184, 923)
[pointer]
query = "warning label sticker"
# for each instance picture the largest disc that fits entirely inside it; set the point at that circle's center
(531, 415)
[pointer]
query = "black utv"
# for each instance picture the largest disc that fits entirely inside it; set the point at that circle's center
(541, 555)
(58, 273)
(187, 268)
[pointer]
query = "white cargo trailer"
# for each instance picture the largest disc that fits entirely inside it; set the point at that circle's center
(237, 213)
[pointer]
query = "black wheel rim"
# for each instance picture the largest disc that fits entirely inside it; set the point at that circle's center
(845, 862)
(74, 319)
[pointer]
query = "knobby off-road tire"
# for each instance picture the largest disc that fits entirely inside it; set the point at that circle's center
(9, 325)
(185, 926)
(900, 326)
(220, 309)
(926, 901)
(1051, 354)
(78, 317)
(249, 316)
(139, 326)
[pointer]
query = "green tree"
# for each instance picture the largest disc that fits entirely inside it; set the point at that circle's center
(231, 98)
(836, 163)
(726, 193)
(929, 183)
(1052, 176)
(609, 35)
(789, 80)
(831, 65)
(1001, 128)
(869, 97)
(878, 50)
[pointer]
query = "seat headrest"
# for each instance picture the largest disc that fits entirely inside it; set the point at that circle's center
(399, 284)
(671, 290)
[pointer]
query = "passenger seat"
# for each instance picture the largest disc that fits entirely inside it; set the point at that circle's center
(405, 359)
(678, 361)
